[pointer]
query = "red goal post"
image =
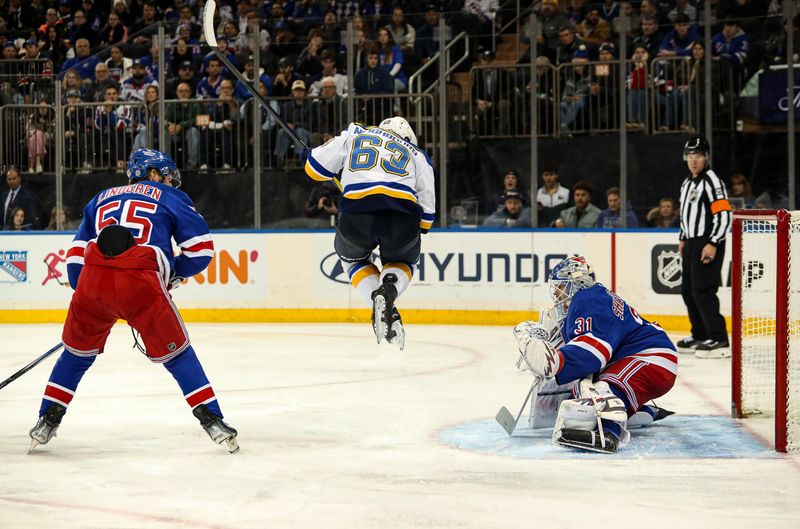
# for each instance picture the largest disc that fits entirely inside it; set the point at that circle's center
(766, 320)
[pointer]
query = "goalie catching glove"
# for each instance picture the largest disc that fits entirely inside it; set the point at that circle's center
(536, 353)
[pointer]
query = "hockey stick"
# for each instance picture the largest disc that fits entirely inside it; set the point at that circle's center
(30, 366)
(211, 40)
(504, 417)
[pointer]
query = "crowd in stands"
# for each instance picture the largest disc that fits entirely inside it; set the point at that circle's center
(559, 207)
(105, 52)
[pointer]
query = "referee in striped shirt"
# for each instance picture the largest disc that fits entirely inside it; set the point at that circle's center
(705, 222)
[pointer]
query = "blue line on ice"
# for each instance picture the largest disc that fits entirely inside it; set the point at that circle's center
(677, 437)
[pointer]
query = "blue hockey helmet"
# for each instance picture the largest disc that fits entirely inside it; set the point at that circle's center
(142, 160)
(567, 278)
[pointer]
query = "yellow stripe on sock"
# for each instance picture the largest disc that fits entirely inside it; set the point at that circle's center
(402, 266)
(367, 271)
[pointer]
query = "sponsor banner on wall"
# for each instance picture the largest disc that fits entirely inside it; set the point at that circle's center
(649, 273)
(490, 271)
(466, 271)
(33, 271)
(236, 277)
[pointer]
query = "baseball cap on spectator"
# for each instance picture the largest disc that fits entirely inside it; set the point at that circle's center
(485, 53)
(186, 64)
(31, 42)
(137, 61)
(682, 18)
(250, 58)
(65, 2)
(88, 2)
(283, 61)
(10, 44)
(73, 93)
(432, 7)
(609, 47)
(298, 85)
(550, 2)
(581, 53)
(281, 24)
(512, 194)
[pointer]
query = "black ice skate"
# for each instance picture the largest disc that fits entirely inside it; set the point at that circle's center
(46, 426)
(586, 440)
(383, 306)
(215, 427)
(396, 334)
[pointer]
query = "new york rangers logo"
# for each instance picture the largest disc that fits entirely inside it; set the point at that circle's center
(15, 267)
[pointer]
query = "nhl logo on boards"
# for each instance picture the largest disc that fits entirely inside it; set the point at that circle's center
(13, 267)
(666, 266)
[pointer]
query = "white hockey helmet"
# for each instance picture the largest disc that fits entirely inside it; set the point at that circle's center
(400, 127)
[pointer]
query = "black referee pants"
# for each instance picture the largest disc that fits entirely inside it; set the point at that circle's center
(699, 290)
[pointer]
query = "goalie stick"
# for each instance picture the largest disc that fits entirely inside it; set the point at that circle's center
(504, 417)
(211, 40)
(30, 366)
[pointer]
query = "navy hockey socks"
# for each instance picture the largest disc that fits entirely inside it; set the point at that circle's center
(64, 380)
(188, 373)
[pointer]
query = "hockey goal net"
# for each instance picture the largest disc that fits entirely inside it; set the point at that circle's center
(766, 320)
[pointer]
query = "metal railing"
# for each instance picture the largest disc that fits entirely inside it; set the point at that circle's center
(501, 99)
(420, 75)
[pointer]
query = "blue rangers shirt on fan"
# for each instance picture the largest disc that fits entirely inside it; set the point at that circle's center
(155, 214)
(601, 328)
(380, 171)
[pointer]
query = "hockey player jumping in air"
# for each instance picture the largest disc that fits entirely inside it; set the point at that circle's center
(601, 352)
(387, 200)
(121, 266)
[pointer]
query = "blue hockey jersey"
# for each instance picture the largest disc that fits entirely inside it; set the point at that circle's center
(601, 328)
(734, 50)
(155, 214)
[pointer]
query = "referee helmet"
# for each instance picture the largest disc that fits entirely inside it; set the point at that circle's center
(696, 144)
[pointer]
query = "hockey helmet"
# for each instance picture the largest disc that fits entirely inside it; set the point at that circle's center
(142, 160)
(696, 144)
(400, 127)
(567, 278)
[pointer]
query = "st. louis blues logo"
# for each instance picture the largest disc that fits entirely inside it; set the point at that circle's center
(14, 267)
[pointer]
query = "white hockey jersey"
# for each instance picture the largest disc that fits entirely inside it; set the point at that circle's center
(379, 171)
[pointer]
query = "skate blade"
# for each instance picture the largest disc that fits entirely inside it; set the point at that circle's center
(232, 444)
(34, 444)
(378, 309)
(399, 338)
(580, 446)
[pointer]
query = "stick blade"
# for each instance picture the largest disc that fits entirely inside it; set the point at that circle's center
(506, 420)
(208, 23)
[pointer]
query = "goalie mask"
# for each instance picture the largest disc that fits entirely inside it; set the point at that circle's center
(567, 278)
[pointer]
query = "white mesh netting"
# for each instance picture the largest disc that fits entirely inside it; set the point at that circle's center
(758, 327)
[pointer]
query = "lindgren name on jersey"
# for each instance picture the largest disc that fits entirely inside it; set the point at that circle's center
(138, 189)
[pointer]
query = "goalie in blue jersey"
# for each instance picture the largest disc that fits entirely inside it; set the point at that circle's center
(596, 349)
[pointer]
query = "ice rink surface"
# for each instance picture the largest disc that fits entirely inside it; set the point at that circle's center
(337, 432)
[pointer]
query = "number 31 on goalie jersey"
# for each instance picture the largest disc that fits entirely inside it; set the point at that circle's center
(365, 155)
